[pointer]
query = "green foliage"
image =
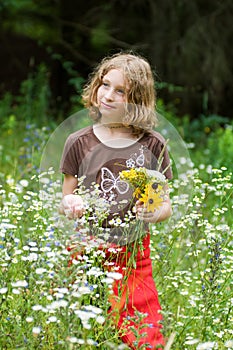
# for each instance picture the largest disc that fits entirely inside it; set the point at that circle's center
(33, 101)
(191, 265)
(169, 112)
(197, 129)
(29, 18)
(83, 32)
(25, 126)
(47, 303)
(76, 81)
(220, 147)
(40, 307)
(21, 148)
(100, 37)
(6, 105)
(9, 123)
(192, 258)
(31, 105)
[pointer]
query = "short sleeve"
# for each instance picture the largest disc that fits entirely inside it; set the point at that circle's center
(161, 154)
(70, 159)
(166, 162)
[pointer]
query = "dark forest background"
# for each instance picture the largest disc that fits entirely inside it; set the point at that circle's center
(188, 43)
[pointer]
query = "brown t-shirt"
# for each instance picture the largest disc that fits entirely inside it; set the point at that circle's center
(84, 154)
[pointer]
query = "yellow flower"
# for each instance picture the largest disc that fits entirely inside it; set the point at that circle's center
(147, 184)
(137, 177)
(153, 196)
(137, 192)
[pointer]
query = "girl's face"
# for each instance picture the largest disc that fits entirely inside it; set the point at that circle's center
(111, 96)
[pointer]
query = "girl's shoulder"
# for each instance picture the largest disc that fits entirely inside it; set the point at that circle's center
(82, 133)
(155, 137)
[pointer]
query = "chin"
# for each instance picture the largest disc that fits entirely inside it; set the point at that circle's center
(110, 116)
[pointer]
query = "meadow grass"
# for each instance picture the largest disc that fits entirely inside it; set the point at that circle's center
(48, 303)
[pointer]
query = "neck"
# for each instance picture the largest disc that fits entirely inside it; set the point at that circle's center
(115, 126)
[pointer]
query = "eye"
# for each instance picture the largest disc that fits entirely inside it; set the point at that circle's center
(105, 84)
(120, 91)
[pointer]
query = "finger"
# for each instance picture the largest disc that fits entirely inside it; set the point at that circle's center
(68, 213)
(78, 212)
(142, 210)
(144, 219)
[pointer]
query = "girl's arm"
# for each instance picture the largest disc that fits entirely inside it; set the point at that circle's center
(160, 214)
(71, 204)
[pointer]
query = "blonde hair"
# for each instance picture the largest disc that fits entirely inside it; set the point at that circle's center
(141, 97)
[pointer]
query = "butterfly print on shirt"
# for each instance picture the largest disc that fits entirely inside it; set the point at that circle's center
(110, 182)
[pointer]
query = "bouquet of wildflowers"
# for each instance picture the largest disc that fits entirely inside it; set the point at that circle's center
(148, 186)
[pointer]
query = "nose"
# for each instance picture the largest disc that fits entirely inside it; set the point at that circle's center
(109, 94)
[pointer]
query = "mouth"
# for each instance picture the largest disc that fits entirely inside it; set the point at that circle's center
(107, 106)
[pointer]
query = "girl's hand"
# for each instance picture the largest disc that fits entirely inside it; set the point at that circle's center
(160, 214)
(72, 206)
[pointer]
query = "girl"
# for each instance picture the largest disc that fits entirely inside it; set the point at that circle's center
(121, 99)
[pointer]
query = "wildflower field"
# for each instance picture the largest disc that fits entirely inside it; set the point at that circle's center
(48, 303)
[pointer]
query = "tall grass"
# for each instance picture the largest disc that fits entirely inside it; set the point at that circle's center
(48, 303)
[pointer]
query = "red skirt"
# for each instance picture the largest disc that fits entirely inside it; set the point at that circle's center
(135, 306)
(135, 303)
